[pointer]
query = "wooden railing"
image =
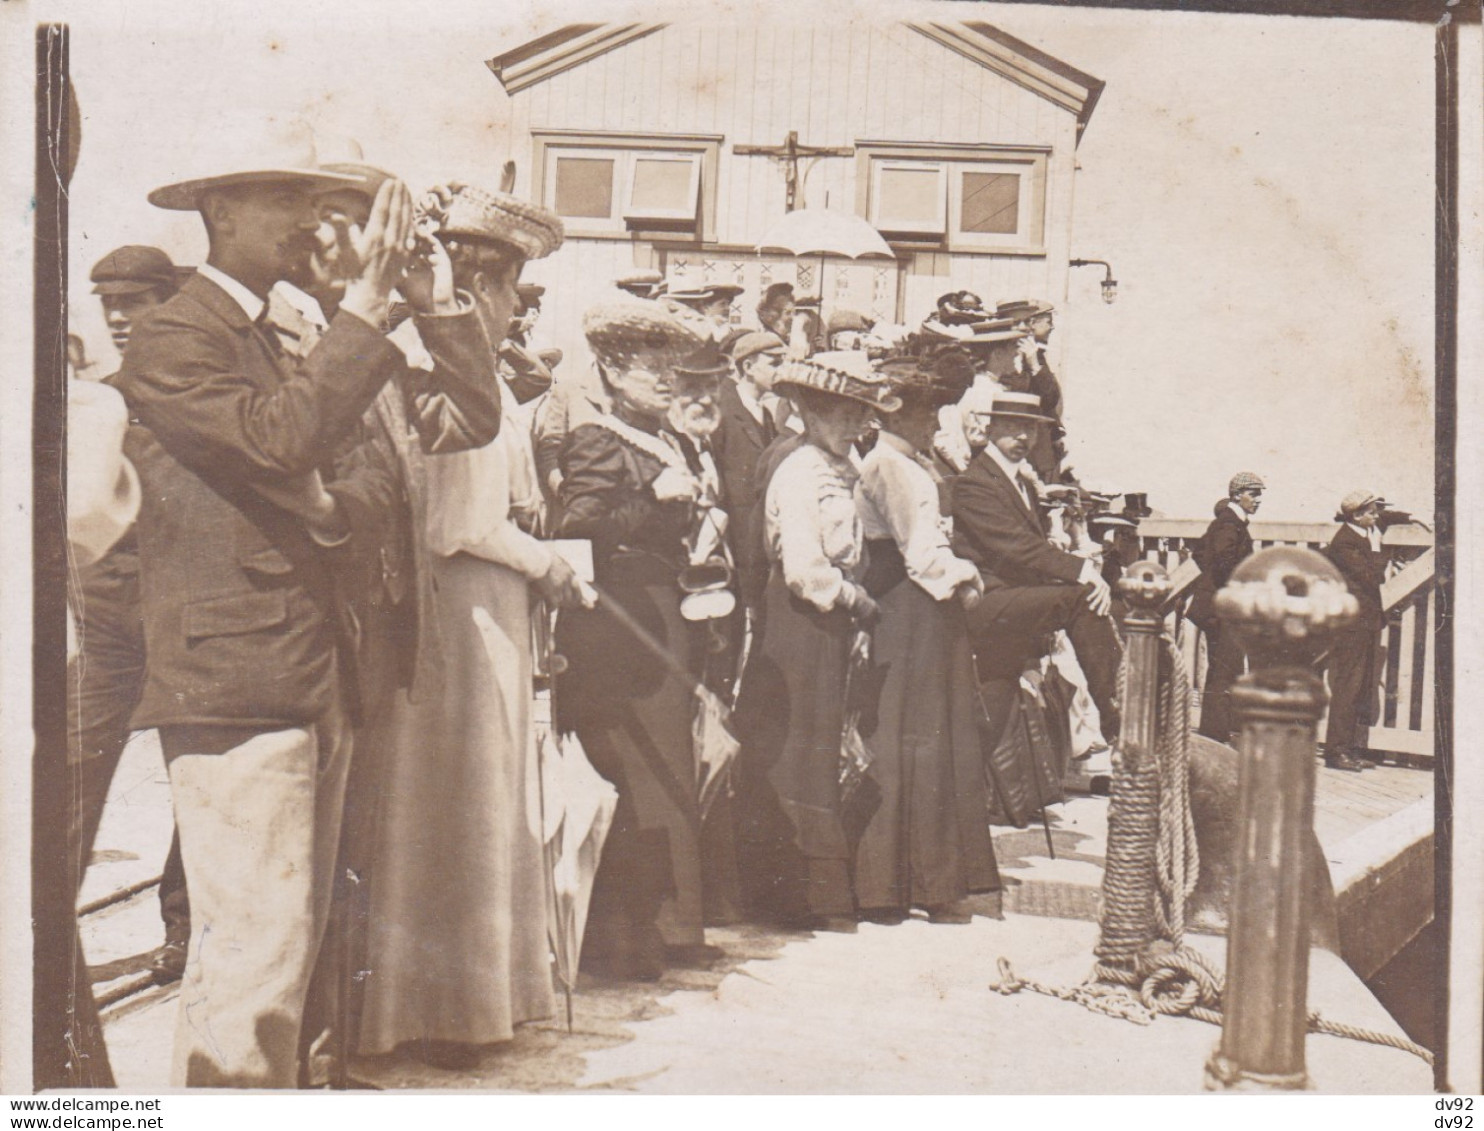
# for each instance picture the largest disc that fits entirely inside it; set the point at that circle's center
(1407, 678)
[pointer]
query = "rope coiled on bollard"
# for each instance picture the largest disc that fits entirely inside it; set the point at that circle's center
(1143, 968)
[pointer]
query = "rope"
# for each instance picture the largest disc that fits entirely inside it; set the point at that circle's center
(1143, 968)
(1178, 984)
(1178, 857)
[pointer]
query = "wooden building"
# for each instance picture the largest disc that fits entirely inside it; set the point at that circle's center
(955, 140)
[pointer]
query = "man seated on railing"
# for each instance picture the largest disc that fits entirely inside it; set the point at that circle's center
(1225, 545)
(1032, 589)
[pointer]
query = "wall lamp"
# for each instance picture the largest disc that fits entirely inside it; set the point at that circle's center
(1110, 284)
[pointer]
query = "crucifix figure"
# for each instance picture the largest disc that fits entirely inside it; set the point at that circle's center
(790, 152)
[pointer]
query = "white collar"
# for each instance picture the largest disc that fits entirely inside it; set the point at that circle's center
(751, 400)
(251, 304)
(1238, 511)
(1372, 535)
(1017, 472)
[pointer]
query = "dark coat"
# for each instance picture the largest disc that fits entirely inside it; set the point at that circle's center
(638, 551)
(995, 529)
(737, 444)
(242, 620)
(1364, 570)
(1225, 545)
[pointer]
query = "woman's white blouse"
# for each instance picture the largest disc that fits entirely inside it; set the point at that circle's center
(811, 525)
(469, 502)
(898, 499)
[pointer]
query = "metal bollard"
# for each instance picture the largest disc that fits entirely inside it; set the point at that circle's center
(1284, 603)
(1133, 810)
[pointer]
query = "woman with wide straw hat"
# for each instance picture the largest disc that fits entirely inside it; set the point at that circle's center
(792, 840)
(927, 844)
(626, 487)
(458, 953)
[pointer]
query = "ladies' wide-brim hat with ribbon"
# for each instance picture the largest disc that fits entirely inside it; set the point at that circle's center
(262, 149)
(617, 332)
(826, 375)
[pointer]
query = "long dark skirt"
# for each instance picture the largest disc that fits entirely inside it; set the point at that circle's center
(928, 842)
(633, 717)
(791, 842)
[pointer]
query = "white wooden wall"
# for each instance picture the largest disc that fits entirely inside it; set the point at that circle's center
(837, 85)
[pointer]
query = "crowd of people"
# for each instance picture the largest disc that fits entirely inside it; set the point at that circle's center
(373, 524)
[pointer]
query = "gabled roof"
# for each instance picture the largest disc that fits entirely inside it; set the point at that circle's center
(1019, 62)
(561, 50)
(982, 43)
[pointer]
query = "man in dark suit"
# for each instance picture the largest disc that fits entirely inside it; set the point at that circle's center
(747, 427)
(1354, 654)
(1225, 545)
(1039, 319)
(250, 661)
(1031, 589)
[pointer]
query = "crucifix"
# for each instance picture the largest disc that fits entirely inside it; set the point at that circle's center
(790, 152)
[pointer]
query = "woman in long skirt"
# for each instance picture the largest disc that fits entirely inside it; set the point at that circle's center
(792, 839)
(457, 950)
(626, 488)
(927, 844)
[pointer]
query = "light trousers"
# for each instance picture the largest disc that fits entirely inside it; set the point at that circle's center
(259, 821)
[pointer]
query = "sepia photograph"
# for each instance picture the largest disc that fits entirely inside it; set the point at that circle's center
(909, 549)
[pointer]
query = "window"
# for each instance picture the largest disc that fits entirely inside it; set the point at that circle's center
(583, 186)
(613, 185)
(990, 202)
(663, 187)
(909, 198)
(955, 198)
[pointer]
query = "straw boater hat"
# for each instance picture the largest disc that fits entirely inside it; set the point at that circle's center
(261, 150)
(700, 296)
(642, 284)
(618, 332)
(1023, 310)
(1021, 406)
(1355, 502)
(826, 373)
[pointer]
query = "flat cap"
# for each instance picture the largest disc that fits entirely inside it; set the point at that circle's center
(755, 342)
(131, 269)
(1357, 501)
(1245, 481)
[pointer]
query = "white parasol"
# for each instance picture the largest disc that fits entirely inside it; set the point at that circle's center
(823, 231)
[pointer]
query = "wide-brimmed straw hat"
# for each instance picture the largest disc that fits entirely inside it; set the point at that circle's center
(826, 373)
(619, 331)
(263, 149)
